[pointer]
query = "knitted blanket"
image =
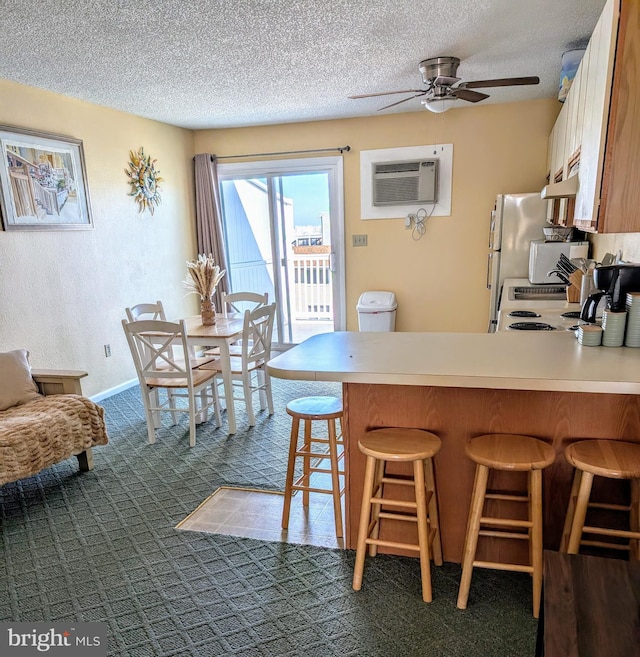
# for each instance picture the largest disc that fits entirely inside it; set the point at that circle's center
(35, 435)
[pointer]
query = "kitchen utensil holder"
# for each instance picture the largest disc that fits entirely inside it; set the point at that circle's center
(573, 294)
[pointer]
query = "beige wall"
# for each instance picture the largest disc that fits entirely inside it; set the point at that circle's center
(63, 293)
(439, 281)
(627, 243)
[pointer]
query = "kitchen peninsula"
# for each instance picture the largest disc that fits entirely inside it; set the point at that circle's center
(460, 385)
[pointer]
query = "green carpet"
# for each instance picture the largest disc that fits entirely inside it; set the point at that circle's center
(101, 546)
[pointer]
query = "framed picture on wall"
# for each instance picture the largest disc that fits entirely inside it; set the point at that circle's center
(43, 184)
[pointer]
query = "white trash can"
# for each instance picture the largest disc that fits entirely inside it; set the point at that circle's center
(377, 311)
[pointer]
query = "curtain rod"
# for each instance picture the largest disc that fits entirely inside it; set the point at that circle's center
(342, 149)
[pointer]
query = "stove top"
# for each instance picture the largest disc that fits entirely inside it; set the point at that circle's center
(530, 326)
(523, 313)
(538, 319)
(559, 314)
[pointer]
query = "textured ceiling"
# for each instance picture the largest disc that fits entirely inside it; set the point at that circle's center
(224, 63)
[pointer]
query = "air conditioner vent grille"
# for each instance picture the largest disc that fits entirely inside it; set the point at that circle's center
(397, 167)
(396, 191)
(407, 182)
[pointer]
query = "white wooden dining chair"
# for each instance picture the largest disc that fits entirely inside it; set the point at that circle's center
(238, 302)
(249, 369)
(151, 342)
(146, 311)
(155, 310)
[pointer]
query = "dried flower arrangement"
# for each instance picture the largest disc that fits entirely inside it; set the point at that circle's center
(203, 276)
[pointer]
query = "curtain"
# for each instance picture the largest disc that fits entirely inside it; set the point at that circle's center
(209, 217)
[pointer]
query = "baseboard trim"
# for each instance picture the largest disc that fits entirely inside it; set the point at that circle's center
(114, 391)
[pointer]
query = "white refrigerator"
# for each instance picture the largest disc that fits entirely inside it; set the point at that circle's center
(515, 221)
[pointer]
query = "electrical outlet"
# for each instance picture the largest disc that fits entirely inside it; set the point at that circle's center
(107, 350)
(359, 240)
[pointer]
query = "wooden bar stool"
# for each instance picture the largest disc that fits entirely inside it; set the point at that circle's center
(399, 445)
(309, 409)
(515, 453)
(614, 459)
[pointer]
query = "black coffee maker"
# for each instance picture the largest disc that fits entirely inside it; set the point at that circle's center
(614, 281)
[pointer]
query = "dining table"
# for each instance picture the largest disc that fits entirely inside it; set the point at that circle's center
(226, 330)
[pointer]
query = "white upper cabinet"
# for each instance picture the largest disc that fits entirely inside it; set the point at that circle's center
(576, 108)
(560, 156)
(597, 133)
(570, 105)
(596, 79)
(550, 147)
(559, 148)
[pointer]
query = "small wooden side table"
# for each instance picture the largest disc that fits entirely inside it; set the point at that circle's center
(591, 607)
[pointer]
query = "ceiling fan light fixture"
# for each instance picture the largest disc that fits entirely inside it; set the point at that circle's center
(443, 86)
(439, 105)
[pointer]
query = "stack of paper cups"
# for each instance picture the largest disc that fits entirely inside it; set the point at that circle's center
(632, 335)
(590, 335)
(613, 325)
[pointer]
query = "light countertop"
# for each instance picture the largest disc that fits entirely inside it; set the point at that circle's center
(505, 360)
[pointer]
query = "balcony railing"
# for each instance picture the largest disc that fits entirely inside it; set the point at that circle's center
(311, 286)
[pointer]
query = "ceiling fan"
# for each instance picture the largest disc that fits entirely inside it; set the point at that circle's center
(443, 87)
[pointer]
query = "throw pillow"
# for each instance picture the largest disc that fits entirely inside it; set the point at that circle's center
(16, 384)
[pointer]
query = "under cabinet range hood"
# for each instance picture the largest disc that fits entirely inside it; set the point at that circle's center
(563, 189)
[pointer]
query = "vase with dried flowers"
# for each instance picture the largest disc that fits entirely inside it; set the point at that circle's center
(203, 276)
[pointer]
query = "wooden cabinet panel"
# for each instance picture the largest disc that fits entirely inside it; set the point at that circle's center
(458, 414)
(620, 201)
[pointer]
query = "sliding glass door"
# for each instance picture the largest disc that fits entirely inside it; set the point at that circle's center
(284, 225)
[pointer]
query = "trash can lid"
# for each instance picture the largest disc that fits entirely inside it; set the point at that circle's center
(376, 301)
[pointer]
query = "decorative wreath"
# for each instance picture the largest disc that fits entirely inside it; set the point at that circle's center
(144, 179)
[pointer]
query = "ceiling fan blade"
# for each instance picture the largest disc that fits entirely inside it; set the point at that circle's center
(404, 100)
(467, 94)
(388, 93)
(501, 82)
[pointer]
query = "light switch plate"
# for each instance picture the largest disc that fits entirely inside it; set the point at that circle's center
(359, 240)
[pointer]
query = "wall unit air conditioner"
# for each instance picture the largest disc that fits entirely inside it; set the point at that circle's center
(407, 182)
